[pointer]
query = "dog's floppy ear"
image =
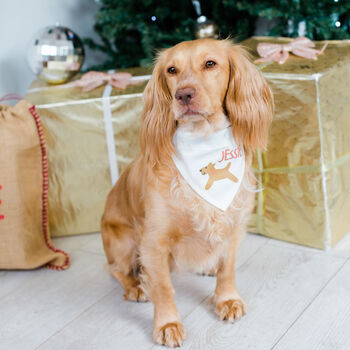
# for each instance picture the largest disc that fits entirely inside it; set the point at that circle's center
(248, 101)
(158, 124)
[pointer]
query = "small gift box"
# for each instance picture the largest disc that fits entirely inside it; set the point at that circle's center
(305, 172)
(91, 136)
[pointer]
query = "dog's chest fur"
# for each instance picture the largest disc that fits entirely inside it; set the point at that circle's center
(202, 230)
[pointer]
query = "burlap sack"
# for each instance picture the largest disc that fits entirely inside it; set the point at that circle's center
(24, 236)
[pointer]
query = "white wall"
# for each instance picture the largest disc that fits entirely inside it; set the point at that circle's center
(20, 19)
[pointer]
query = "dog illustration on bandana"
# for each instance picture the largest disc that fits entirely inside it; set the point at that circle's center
(217, 174)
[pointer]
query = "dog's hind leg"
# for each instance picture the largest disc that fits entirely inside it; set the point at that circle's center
(121, 251)
(131, 285)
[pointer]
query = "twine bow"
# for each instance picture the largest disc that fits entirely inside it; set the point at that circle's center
(92, 80)
(300, 46)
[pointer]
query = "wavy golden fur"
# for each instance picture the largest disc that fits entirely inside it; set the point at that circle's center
(153, 221)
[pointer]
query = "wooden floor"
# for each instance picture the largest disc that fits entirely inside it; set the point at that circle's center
(298, 298)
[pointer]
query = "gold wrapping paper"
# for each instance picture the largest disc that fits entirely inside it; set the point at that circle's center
(305, 172)
(79, 172)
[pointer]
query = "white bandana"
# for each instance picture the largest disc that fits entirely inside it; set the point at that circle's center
(212, 165)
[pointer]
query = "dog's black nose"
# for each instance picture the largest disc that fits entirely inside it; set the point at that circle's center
(184, 96)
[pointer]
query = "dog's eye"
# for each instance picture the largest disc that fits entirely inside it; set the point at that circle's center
(210, 64)
(172, 70)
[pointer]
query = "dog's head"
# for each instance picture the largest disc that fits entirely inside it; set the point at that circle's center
(202, 80)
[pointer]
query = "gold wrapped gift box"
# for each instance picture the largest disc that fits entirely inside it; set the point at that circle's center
(305, 173)
(79, 171)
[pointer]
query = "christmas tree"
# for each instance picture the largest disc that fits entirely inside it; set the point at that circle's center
(131, 30)
(318, 20)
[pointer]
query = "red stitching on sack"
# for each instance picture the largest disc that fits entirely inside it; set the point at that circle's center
(45, 194)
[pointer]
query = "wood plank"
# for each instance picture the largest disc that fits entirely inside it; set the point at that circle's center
(94, 246)
(12, 279)
(277, 285)
(341, 249)
(250, 245)
(325, 325)
(72, 243)
(48, 300)
(113, 323)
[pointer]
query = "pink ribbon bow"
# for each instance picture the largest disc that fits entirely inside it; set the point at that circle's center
(92, 80)
(300, 46)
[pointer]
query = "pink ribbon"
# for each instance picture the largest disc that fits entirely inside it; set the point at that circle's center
(300, 46)
(92, 80)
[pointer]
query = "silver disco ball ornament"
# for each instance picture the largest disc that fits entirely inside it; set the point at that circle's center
(55, 54)
(206, 28)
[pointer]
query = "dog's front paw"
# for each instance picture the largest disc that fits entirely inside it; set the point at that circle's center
(171, 334)
(135, 294)
(230, 310)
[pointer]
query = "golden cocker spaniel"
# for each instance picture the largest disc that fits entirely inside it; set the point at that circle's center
(154, 220)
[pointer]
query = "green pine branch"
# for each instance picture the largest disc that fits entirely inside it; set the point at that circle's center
(129, 37)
